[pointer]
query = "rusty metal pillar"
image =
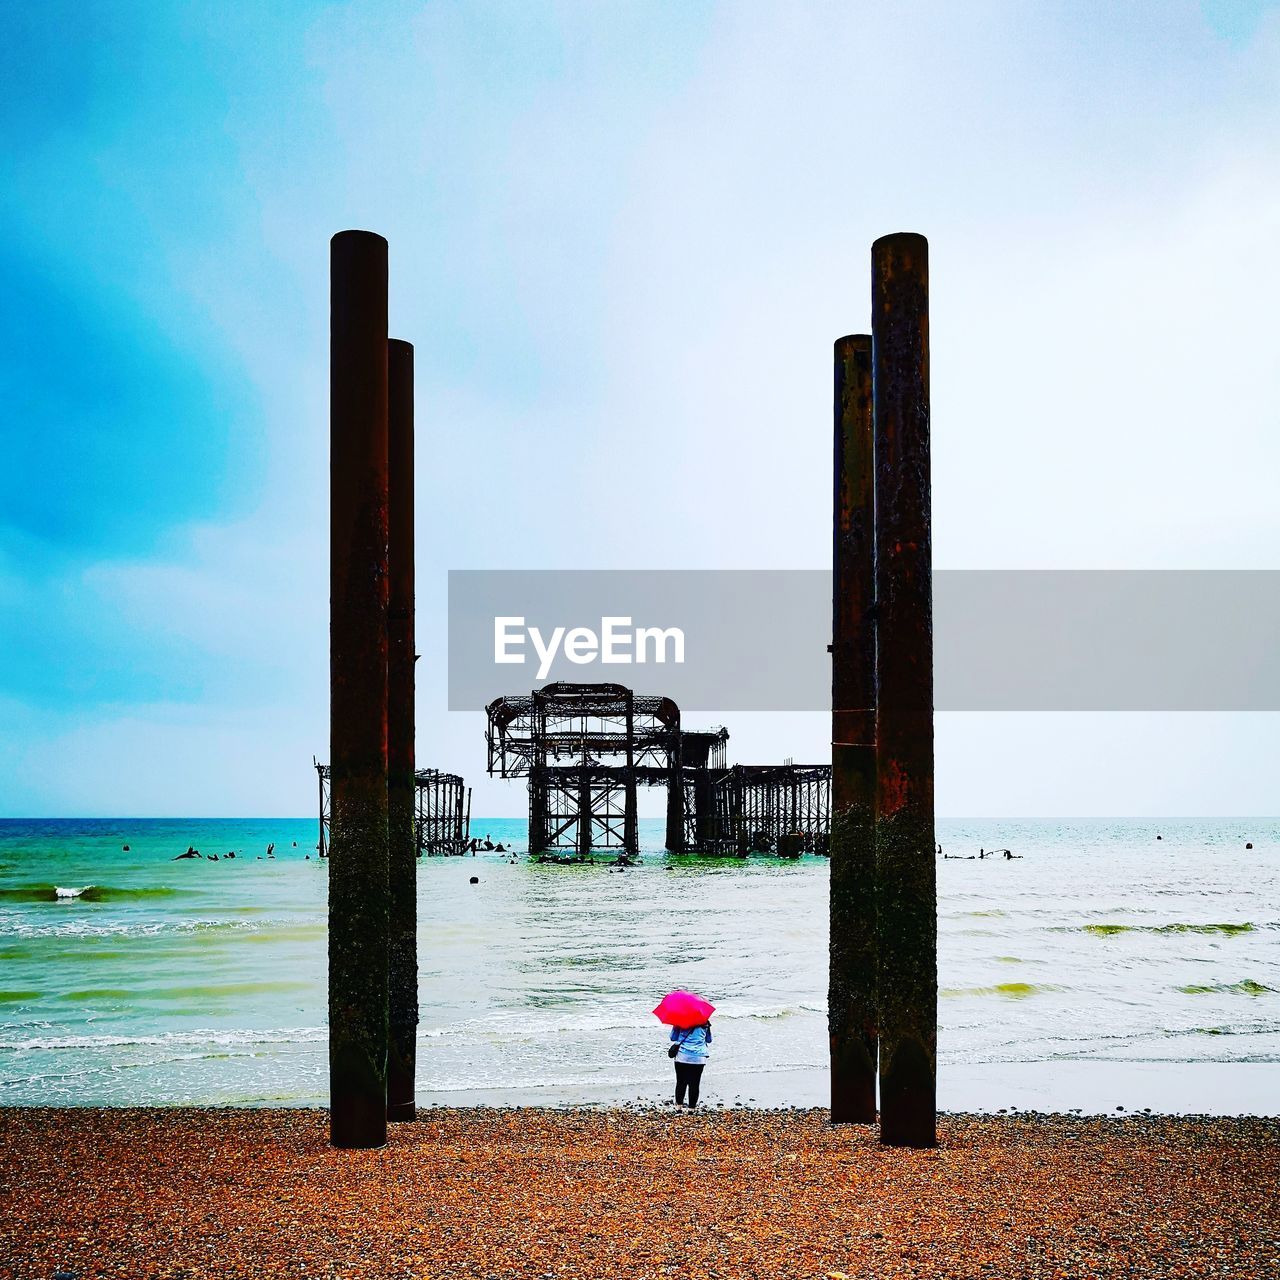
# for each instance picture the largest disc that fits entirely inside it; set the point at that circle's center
(584, 812)
(630, 813)
(538, 787)
(674, 836)
(851, 1006)
(906, 874)
(675, 841)
(358, 691)
(402, 854)
(704, 816)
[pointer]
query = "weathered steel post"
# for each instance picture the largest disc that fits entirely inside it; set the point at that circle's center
(906, 874)
(402, 853)
(358, 691)
(675, 841)
(584, 811)
(851, 1003)
(630, 812)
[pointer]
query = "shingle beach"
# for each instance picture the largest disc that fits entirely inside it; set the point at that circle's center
(538, 1193)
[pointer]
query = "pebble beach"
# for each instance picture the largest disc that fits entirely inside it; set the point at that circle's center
(642, 1192)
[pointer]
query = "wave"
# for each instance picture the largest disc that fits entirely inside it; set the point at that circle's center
(88, 893)
(1246, 987)
(71, 924)
(166, 1039)
(1108, 930)
(1005, 990)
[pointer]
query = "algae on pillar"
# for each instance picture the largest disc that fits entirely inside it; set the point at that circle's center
(906, 872)
(401, 791)
(851, 997)
(358, 691)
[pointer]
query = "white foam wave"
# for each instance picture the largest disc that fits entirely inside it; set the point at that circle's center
(171, 1039)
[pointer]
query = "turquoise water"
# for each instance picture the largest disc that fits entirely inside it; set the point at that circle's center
(1102, 966)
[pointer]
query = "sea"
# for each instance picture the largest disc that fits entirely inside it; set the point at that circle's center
(1110, 966)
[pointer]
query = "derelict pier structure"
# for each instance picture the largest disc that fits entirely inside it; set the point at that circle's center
(441, 812)
(586, 749)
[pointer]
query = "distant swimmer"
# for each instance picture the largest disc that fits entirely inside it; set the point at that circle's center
(1010, 856)
(231, 853)
(271, 850)
(125, 847)
(1249, 844)
(213, 857)
(190, 853)
(501, 848)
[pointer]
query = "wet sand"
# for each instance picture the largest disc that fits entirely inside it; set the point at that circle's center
(538, 1193)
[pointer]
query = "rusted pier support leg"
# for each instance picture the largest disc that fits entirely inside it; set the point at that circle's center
(537, 811)
(675, 833)
(358, 691)
(402, 853)
(584, 814)
(630, 815)
(906, 898)
(704, 819)
(851, 997)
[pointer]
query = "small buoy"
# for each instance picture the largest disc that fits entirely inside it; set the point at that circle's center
(475, 879)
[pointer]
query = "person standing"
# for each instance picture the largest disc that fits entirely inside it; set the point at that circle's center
(693, 1045)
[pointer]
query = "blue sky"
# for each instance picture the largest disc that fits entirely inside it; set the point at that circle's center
(622, 238)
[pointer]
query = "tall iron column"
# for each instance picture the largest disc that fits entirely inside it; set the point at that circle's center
(851, 997)
(402, 838)
(906, 874)
(630, 812)
(358, 691)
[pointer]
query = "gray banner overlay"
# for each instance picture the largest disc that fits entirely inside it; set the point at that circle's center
(756, 640)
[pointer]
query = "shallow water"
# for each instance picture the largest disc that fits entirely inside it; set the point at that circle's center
(1102, 965)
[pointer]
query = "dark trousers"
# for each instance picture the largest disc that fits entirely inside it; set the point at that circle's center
(688, 1076)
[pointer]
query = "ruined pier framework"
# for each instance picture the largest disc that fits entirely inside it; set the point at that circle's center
(587, 749)
(442, 812)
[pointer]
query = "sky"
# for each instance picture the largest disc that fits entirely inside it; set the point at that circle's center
(623, 238)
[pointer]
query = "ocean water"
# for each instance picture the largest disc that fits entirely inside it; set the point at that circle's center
(1101, 968)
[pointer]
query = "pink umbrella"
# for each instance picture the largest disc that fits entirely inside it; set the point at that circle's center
(683, 1009)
